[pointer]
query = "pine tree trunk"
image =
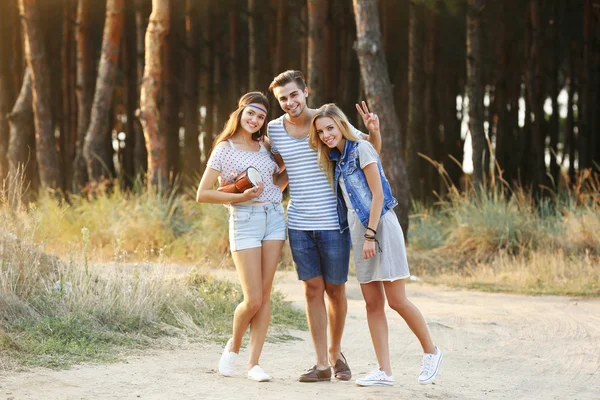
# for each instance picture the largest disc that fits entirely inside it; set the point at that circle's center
(232, 74)
(97, 146)
(379, 96)
(191, 155)
(169, 98)
(130, 95)
(68, 134)
(416, 126)
(47, 155)
(85, 88)
(317, 56)
(142, 12)
(259, 69)
(475, 91)
(17, 63)
(536, 98)
(6, 92)
(149, 115)
(281, 37)
(21, 146)
(554, 126)
(206, 92)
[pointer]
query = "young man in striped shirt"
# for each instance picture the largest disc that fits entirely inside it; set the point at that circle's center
(320, 251)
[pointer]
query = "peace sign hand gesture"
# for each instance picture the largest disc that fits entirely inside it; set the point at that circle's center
(370, 119)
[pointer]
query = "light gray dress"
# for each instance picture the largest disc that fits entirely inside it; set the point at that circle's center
(390, 264)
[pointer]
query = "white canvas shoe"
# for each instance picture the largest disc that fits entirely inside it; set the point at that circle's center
(376, 378)
(258, 374)
(430, 367)
(227, 360)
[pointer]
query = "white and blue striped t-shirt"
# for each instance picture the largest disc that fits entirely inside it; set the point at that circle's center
(313, 205)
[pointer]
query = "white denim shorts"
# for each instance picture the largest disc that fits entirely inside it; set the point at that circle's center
(250, 225)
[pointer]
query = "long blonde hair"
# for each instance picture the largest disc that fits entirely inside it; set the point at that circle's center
(332, 111)
(233, 123)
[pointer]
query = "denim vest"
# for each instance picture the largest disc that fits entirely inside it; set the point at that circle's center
(348, 165)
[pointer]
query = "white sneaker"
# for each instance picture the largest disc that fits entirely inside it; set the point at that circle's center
(430, 367)
(376, 378)
(258, 374)
(227, 360)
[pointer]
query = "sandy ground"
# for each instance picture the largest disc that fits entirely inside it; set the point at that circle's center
(496, 346)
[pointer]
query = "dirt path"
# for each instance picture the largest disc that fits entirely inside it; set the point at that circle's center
(496, 346)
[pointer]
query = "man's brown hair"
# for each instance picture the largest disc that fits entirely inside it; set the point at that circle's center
(286, 77)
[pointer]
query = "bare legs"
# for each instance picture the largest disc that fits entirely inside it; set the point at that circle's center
(375, 294)
(318, 316)
(256, 269)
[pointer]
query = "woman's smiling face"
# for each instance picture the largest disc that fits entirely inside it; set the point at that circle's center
(252, 118)
(329, 132)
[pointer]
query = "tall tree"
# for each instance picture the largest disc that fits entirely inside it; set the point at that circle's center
(205, 86)
(142, 12)
(536, 96)
(6, 90)
(169, 98)
(191, 155)
(149, 114)
(68, 135)
(317, 56)
(97, 148)
(259, 45)
(475, 90)
(378, 90)
(21, 146)
(131, 95)
(415, 143)
(85, 88)
(47, 155)
(554, 125)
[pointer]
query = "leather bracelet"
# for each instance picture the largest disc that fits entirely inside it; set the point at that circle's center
(372, 230)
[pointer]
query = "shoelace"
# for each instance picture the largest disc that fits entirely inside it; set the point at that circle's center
(427, 364)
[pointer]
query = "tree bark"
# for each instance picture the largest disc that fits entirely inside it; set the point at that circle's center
(47, 155)
(378, 90)
(191, 155)
(416, 101)
(85, 88)
(281, 37)
(535, 97)
(475, 91)
(554, 126)
(169, 99)
(317, 56)
(149, 114)
(130, 96)
(21, 146)
(6, 91)
(205, 90)
(68, 135)
(259, 69)
(232, 74)
(142, 12)
(96, 148)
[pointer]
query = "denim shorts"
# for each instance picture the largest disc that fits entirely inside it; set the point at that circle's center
(250, 225)
(321, 253)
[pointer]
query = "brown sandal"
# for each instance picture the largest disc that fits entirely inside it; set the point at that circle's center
(342, 370)
(315, 375)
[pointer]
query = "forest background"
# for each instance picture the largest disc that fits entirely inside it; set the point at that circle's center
(489, 111)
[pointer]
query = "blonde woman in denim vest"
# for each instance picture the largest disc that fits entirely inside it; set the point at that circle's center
(365, 206)
(257, 228)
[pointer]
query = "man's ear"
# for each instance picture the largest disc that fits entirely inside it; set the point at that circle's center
(306, 92)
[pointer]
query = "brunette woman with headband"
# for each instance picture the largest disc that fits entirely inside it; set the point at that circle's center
(257, 228)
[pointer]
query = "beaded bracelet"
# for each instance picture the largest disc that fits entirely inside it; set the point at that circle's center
(373, 238)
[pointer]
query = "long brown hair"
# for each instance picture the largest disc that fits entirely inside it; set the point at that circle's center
(233, 123)
(332, 111)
